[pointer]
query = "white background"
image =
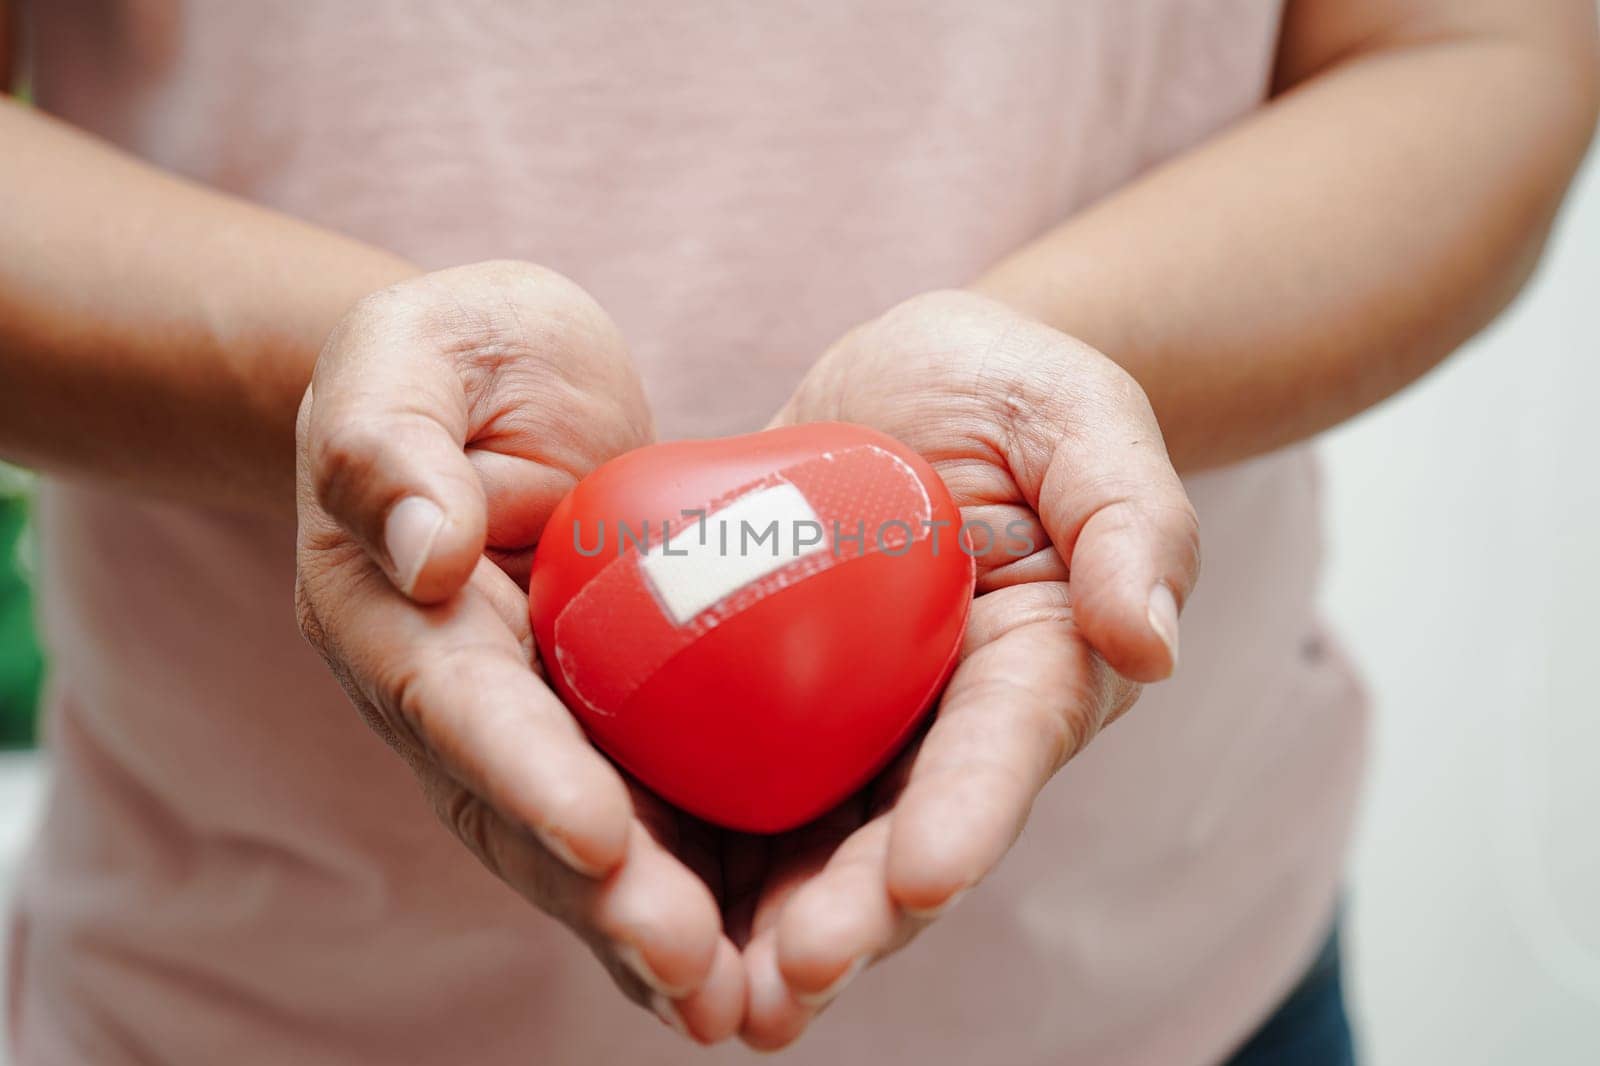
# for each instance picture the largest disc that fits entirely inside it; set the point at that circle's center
(1465, 577)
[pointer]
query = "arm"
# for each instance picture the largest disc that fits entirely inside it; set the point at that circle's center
(153, 332)
(1336, 245)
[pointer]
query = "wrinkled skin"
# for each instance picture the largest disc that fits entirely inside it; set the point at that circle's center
(1025, 425)
(489, 390)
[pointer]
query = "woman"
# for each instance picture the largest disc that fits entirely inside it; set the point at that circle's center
(1270, 219)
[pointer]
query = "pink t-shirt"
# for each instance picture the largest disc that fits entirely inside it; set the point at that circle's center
(234, 870)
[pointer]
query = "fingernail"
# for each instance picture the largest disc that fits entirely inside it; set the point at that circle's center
(563, 851)
(827, 995)
(929, 913)
(1163, 616)
(408, 535)
(668, 1012)
(633, 959)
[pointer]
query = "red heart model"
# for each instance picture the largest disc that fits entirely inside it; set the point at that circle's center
(753, 626)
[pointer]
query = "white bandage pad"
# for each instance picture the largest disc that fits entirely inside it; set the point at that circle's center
(755, 535)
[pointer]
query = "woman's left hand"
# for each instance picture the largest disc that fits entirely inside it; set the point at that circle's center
(1035, 433)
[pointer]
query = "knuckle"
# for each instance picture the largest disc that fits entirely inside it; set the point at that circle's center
(1067, 731)
(421, 690)
(508, 319)
(343, 459)
(539, 297)
(318, 637)
(305, 612)
(507, 853)
(1169, 528)
(403, 699)
(468, 817)
(383, 728)
(411, 692)
(1057, 729)
(1116, 501)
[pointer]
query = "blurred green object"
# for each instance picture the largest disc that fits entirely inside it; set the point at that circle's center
(21, 664)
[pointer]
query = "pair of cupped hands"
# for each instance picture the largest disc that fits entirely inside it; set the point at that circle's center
(447, 416)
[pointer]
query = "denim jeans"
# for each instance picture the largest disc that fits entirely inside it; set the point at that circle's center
(1310, 1027)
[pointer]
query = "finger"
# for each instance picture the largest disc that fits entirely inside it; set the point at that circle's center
(840, 919)
(520, 495)
(384, 424)
(649, 909)
(715, 1010)
(509, 603)
(1042, 566)
(1009, 544)
(658, 919)
(510, 361)
(452, 684)
(688, 840)
(773, 1017)
(798, 855)
(1029, 694)
(1116, 511)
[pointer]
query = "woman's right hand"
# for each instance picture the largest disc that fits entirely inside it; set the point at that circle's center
(447, 416)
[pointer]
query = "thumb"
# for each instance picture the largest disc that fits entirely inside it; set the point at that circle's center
(381, 446)
(1117, 513)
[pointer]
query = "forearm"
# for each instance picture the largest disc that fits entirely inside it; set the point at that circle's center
(155, 333)
(1328, 250)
